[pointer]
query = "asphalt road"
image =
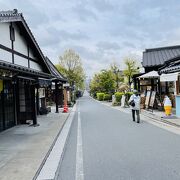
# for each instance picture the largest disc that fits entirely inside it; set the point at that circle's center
(114, 147)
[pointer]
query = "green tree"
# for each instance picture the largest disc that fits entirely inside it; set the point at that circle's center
(131, 69)
(117, 75)
(94, 85)
(107, 81)
(70, 65)
(102, 82)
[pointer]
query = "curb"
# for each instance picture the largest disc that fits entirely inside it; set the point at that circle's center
(159, 119)
(71, 115)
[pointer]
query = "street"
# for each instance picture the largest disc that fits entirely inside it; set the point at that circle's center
(105, 144)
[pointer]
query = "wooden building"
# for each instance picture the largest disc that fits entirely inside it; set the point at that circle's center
(154, 60)
(171, 72)
(57, 81)
(23, 68)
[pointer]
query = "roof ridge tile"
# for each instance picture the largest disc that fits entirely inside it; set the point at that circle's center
(162, 48)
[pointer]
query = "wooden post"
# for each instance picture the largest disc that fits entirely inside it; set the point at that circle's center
(159, 87)
(65, 96)
(17, 102)
(167, 89)
(37, 99)
(14, 100)
(61, 95)
(177, 86)
(34, 115)
(139, 89)
(152, 84)
(56, 97)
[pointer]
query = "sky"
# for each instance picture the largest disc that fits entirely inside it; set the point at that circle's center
(100, 31)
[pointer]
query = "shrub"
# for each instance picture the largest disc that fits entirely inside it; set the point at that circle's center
(100, 96)
(128, 95)
(107, 97)
(118, 96)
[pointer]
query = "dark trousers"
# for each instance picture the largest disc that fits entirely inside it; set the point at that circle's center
(137, 113)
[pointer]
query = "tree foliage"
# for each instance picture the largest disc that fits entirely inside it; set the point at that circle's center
(70, 65)
(131, 69)
(117, 74)
(103, 82)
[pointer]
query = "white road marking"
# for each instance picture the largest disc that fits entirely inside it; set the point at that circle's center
(79, 152)
(49, 169)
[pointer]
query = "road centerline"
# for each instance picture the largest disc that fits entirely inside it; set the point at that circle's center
(79, 152)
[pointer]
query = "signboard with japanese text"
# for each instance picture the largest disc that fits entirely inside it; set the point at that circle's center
(152, 100)
(148, 96)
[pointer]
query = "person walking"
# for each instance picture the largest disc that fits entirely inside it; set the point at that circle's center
(134, 103)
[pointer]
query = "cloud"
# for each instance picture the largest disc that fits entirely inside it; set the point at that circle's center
(83, 12)
(103, 5)
(107, 46)
(100, 30)
(128, 44)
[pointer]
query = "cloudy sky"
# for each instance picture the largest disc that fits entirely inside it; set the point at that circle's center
(101, 31)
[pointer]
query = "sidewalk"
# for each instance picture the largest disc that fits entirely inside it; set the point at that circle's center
(23, 147)
(155, 115)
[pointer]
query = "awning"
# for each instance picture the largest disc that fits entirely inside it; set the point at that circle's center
(169, 77)
(152, 74)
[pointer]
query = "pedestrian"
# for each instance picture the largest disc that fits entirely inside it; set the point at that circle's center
(134, 103)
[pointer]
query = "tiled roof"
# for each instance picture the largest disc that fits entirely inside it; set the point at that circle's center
(54, 71)
(158, 56)
(171, 66)
(9, 16)
(14, 16)
(170, 69)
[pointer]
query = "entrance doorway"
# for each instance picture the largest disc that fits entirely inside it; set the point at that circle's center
(7, 114)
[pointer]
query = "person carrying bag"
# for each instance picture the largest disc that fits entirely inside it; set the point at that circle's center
(134, 103)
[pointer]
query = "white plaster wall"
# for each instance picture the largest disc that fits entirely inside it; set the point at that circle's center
(20, 43)
(5, 55)
(20, 61)
(5, 35)
(36, 66)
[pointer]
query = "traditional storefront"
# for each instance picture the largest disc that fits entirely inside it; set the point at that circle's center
(22, 64)
(57, 82)
(156, 60)
(170, 73)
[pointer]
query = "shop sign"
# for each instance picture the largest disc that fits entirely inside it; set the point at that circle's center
(41, 92)
(169, 77)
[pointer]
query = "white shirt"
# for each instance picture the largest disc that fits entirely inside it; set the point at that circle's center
(136, 99)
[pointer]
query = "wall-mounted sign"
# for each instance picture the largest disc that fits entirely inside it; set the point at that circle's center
(169, 77)
(41, 92)
(66, 85)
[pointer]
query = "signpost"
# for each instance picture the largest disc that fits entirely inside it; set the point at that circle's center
(152, 99)
(148, 96)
